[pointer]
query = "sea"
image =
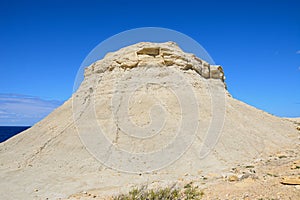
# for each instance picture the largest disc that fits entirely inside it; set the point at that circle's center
(7, 132)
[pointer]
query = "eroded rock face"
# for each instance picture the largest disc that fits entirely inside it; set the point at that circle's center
(160, 54)
(119, 109)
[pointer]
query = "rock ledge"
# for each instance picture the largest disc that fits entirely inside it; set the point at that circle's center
(147, 54)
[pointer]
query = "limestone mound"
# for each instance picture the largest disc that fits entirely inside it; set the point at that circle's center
(50, 161)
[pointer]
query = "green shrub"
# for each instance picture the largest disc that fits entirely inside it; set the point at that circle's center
(188, 192)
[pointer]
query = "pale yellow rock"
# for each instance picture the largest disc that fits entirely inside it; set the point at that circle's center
(205, 70)
(295, 167)
(52, 157)
(153, 51)
(233, 178)
(296, 162)
(290, 180)
(281, 155)
(146, 61)
(216, 72)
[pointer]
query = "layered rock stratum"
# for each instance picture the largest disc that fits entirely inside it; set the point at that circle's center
(146, 114)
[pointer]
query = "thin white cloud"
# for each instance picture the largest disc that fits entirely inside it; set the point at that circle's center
(298, 52)
(17, 109)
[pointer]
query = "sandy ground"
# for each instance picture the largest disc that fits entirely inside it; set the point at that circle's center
(277, 177)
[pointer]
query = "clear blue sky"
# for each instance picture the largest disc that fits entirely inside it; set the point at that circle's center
(43, 43)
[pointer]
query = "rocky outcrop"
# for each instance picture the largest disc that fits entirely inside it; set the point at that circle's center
(160, 54)
(142, 115)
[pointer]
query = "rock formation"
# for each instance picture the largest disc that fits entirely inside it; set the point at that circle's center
(186, 124)
(163, 55)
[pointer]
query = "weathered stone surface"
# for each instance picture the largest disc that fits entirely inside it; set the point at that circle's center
(233, 178)
(295, 167)
(51, 156)
(152, 51)
(216, 72)
(290, 180)
(160, 54)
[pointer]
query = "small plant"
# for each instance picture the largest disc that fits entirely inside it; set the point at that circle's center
(188, 192)
(192, 192)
